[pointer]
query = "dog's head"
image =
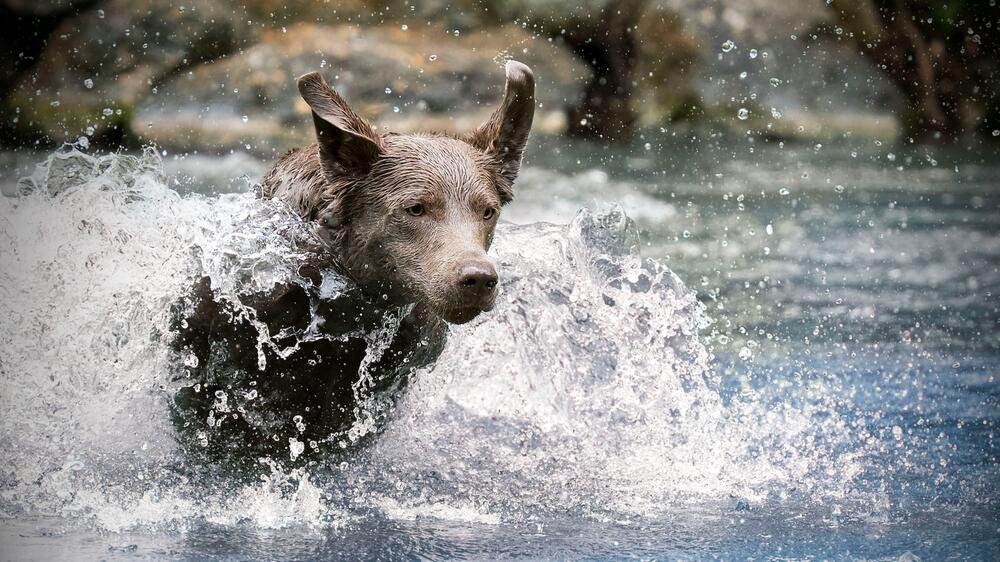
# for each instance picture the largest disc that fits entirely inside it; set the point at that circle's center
(414, 214)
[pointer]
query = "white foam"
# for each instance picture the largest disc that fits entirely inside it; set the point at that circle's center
(586, 390)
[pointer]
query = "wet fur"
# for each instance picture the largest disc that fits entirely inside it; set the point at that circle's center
(354, 187)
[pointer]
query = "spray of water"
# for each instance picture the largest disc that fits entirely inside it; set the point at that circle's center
(587, 389)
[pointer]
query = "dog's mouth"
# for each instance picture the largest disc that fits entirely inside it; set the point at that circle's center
(462, 314)
(450, 306)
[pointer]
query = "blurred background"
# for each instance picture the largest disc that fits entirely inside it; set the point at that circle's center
(218, 75)
(821, 175)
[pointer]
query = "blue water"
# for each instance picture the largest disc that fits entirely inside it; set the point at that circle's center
(825, 387)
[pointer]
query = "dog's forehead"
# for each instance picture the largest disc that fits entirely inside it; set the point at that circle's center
(436, 157)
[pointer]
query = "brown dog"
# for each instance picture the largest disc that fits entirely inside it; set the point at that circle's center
(407, 218)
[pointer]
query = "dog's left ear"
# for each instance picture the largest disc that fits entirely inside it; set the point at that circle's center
(504, 135)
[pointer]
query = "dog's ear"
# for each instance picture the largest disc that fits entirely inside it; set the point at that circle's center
(504, 135)
(347, 143)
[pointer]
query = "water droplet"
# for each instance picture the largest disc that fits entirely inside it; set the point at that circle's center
(388, 90)
(753, 53)
(743, 113)
(88, 83)
(295, 447)
(100, 14)
(686, 234)
(432, 58)
(769, 229)
(648, 146)
(996, 132)
(775, 113)
(246, 118)
(743, 75)
(83, 142)
(775, 82)
(395, 109)
(728, 46)
(838, 188)
(404, 27)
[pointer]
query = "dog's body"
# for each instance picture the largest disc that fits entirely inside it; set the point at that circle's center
(408, 219)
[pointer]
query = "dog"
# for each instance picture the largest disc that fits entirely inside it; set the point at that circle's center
(408, 219)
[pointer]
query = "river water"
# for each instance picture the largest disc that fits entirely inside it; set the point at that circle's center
(703, 349)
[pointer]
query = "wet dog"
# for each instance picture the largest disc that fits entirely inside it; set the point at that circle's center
(408, 219)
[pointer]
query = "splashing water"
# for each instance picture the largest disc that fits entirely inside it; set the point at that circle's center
(586, 391)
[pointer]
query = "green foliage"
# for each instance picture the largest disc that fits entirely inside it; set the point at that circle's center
(105, 125)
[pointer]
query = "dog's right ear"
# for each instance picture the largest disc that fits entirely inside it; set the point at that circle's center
(347, 143)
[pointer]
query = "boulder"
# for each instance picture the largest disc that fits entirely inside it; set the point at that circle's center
(401, 78)
(97, 65)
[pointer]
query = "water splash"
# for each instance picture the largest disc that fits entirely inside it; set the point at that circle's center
(587, 390)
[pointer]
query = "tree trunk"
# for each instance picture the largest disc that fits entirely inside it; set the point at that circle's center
(610, 49)
(935, 64)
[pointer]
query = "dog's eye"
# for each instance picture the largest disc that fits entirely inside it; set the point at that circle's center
(415, 210)
(489, 213)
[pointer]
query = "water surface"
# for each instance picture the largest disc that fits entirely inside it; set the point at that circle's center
(703, 349)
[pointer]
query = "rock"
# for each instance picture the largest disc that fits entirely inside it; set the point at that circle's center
(99, 64)
(424, 77)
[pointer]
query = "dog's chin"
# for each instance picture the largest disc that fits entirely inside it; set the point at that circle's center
(460, 315)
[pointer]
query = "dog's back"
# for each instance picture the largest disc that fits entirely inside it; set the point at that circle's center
(326, 364)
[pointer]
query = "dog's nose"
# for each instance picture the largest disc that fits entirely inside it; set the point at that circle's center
(477, 278)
